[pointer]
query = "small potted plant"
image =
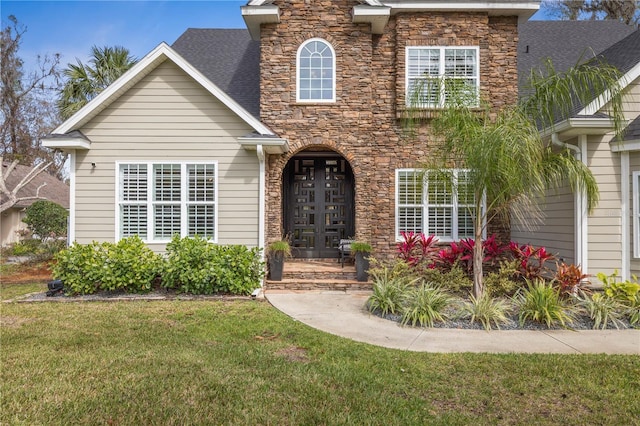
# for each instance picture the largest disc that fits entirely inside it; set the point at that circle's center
(360, 251)
(277, 252)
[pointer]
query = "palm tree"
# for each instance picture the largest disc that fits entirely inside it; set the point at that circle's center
(509, 163)
(85, 82)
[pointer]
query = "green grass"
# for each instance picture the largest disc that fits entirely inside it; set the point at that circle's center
(243, 362)
(11, 291)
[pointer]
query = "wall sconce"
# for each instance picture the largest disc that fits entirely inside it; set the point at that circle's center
(93, 165)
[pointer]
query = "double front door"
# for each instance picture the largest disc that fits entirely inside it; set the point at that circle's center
(318, 204)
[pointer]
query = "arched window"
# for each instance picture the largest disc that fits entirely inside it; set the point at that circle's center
(316, 72)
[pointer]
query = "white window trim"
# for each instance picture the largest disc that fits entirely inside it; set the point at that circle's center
(150, 203)
(636, 214)
(425, 215)
(441, 73)
(333, 76)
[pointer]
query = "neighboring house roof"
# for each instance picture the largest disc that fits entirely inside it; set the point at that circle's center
(564, 42)
(53, 190)
(227, 57)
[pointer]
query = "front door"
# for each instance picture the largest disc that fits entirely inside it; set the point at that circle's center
(318, 204)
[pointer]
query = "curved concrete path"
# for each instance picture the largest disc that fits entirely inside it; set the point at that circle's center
(344, 314)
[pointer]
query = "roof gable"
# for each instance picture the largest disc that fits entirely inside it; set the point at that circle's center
(227, 57)
(157, 56)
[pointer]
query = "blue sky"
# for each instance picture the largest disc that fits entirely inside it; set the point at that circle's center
(72, 27)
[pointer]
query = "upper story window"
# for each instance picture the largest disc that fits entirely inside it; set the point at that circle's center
(436, 74)
(157, 200)
(316, 72)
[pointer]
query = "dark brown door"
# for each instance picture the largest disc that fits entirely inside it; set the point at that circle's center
(318, 205)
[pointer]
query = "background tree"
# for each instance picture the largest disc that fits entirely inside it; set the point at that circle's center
(85, 82)
(46, 219)
(627, 11)
(509, 164)
(27, 105)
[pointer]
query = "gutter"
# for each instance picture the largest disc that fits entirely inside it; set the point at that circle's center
(581, 224)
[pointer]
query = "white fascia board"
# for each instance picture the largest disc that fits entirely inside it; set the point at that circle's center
(520, 8)
(574, 126)
(66, 143)
(625, 146)
(255, 15)
(137, 72)
(269, 145)
(374, 15)
(599, 102)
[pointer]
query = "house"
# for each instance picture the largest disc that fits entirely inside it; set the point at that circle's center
(291, 127)
(44, 185)
(608, 239)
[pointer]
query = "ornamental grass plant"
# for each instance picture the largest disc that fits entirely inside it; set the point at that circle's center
(486, 311)
(539, 301)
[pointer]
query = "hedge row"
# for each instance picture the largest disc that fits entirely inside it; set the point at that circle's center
(191, 265)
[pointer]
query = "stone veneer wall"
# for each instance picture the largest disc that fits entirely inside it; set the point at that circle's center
(362, 124)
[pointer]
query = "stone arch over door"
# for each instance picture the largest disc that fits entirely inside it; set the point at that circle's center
(318, 207)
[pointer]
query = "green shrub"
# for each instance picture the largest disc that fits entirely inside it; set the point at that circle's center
(198, 267)
(624, 291)
(238, 269)
(80, 267)
(425, 305)
(46, 219)
(540, 302)
(388, 291)
(26, 247)
(602, 309)
(454, 280)
(486, 310)
(502, 282)
(128, 266)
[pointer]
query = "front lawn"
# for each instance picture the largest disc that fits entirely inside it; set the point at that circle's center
(243, 362)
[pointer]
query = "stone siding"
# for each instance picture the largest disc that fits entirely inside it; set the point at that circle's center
(362, 125)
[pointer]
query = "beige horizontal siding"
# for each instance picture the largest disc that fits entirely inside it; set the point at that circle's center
(605, 222)
(556, 231)
(634, 166)
(167, 117)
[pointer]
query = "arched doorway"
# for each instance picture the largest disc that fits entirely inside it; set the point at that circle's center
(318, 203)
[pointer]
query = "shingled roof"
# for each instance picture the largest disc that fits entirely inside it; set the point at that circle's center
(53, 190)
(227, 57)
(564, 42)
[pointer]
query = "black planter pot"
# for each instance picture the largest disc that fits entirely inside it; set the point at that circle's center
(362, 266)
(276, 264)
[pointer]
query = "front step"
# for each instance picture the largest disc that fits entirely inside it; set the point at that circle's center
(318, 274)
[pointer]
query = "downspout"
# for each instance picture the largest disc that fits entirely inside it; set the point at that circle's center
(71, 230)
(580, 230)
(625, 190)
(261, 197)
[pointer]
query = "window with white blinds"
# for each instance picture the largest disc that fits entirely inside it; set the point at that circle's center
(431, 204)
(436, 74)
(159, 200)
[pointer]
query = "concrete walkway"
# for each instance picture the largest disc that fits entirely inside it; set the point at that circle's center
(344, 314)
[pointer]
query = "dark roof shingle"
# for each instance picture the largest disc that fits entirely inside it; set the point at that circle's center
(227, 57)
(566, 43)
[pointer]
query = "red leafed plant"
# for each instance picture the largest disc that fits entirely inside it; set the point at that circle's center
(416, 249)
(531, 260)
(569, 278)
(462, 253)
